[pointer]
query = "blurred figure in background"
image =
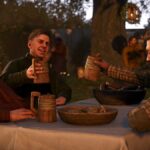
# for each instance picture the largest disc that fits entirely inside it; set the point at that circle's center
(133, 54)
(58, 58)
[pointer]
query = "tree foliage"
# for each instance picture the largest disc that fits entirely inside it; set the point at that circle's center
(19, 17)
(66, 13)
(17, 20)
(108, 24)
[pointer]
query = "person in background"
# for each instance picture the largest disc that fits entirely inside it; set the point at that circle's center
(58, 58)
(19, 74)
(139, 117)
(133, 54)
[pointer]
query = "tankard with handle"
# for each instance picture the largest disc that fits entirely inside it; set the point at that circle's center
(46, 106)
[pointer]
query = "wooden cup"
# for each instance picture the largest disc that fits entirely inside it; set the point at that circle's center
(42, 77)
(91, 71)
(46, 111)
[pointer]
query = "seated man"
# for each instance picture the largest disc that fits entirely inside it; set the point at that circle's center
(139, 118)
(19, 74)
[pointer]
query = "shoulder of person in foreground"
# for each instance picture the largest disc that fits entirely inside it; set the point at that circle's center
(139, 117)
(12, 107)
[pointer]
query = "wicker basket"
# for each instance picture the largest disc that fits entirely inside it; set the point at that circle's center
(86, 115)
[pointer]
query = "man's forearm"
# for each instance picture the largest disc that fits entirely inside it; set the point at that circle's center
(16, 79)
(122, 74)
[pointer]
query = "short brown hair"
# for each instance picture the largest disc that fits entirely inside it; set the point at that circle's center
(37, 32)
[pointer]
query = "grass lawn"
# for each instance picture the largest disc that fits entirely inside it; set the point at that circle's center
(82, 88)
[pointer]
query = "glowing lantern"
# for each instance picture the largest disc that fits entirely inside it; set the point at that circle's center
(133, 14)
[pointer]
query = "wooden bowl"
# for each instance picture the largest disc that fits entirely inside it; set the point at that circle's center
(87, 115)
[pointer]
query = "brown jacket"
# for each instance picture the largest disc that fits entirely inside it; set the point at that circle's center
(8, 101)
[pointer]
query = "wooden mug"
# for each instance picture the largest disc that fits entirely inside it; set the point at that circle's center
(46, 111)
(42, 77)
(91, 71)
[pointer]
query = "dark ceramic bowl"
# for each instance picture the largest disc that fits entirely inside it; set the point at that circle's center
(119, 97)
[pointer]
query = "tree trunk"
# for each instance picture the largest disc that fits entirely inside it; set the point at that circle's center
(106, 25)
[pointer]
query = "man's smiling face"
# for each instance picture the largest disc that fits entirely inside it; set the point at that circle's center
(39, 45)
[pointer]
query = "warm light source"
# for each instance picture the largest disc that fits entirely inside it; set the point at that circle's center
(133, 14)
(80, 72)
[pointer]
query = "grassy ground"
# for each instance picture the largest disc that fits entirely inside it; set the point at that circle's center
(81, 88)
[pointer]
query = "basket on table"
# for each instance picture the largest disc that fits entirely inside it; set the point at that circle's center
(87, 115)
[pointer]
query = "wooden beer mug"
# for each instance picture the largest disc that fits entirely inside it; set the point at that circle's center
(46, 111)
(42, 77)
(91, 71)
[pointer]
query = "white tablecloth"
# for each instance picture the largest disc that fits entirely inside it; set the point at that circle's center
(30, 134)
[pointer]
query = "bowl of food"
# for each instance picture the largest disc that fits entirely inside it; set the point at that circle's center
(87, 115)
(121, 96)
